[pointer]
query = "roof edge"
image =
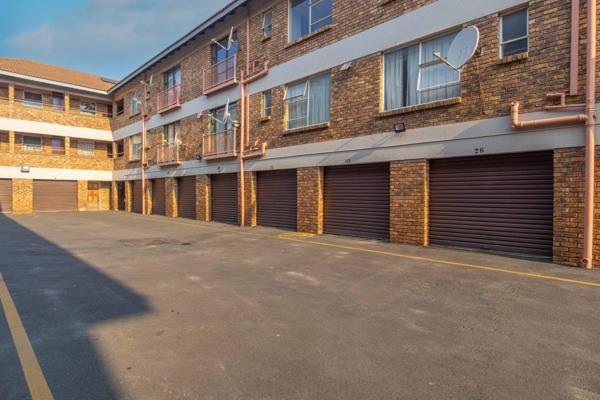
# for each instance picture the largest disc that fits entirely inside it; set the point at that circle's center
(53, 82)
(232, 6)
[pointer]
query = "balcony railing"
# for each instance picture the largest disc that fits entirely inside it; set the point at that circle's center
(220, 75)
(169, 99)
(219, 145)
(168, 154)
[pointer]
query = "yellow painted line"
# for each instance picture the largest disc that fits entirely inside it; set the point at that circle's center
(448, 263)
(38, 387)
(301, 238)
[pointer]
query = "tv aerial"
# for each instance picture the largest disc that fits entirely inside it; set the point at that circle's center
(229, 41)
(226, 116)
(462, 48)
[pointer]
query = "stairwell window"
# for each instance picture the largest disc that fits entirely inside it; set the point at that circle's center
(413, 75)
(308, 102)
(307, 16)
(514, 33)
(135, 147)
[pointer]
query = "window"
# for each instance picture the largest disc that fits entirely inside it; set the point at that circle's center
(85, 148)
(308, 102)
(109, 150)
(219, 114)
(135, 147)
(268, 24)
(31, 99)
(4, 145)
(220, 52)
(172, 78)
(31, 143)
(120, 148)
(514, 33)
(109, 111)
(58, 145)
(171, 133)
(307, 16)
(88, 108)
(266, 104)
(136, 103)
(58, 101)
(413, 75)
(120, 106)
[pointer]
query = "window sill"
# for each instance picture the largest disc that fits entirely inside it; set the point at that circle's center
(265, 119)
(421, 107)
(513, 58)
(134, 160)
(309, 36)
(135, 115)
(310, 128)
(266, 38)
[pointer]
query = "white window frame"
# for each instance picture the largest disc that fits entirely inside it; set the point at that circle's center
(263, 108)
(422, 65)
(31, 103)
(501, 30)
(84, 112)
(134, 96)
(31, 147)
(133, 156)
(84, 150)
(176, 133)
(310, 21)
(264, 26)
(304, 97)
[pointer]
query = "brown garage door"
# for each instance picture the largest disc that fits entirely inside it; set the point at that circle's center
(186, 197)
(223, 196)
(158, 196)
(121, 196)
(276, 199)
(136, 194)
(498, 203)
(357, 201)
(54, 195)
(5, 196)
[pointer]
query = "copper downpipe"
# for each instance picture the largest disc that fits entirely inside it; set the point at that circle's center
(589, 118)
(245, 123)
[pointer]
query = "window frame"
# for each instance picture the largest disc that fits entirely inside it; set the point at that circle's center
(176, 133)
(30, 147)
(84, 112)
(264, 24)
(56, 149)
(229, 126)
(175, 72)
(310, 21)
(132, 111)
(263, 107)
(122, 101)
(121, 144)
(306, 94)
(32, 103)
(502, 43)
(133, 156)
(420, 66)
(58, 96)
(86, 152)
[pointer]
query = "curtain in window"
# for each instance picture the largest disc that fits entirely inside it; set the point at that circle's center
(401, 77)
(438, 81)
(319, 100)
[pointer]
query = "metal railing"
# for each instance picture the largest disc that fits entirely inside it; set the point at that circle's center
(220, 75)
(168, 154)
(219, 144)
(169, 98)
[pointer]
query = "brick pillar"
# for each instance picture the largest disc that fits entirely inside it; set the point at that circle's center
(105, 196)
(22, 196)
(249, 198)
(67, 145)
(114, 196)
(128, 197)
(310, 200)
(82, 194)
(148, 197)
(11, 94)
(67, 102)
(171, 197)
(11, 141)
(203, 197)
(409, 202)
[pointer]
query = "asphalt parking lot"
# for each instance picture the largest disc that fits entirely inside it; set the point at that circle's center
(121, 306)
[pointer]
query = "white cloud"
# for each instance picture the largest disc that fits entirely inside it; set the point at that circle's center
(112, 36)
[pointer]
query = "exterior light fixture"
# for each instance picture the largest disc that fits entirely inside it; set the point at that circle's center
(400, 127)
(25, 169)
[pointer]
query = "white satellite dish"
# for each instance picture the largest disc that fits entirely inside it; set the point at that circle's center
(462, 48)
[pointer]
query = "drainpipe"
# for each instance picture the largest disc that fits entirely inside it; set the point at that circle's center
(590, 131)
(589, 117)
(245, 120)
(574, 68)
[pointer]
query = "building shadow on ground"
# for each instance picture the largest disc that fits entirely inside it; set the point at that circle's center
(59, 298)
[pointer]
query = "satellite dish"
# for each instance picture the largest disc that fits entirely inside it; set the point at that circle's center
(462, 48)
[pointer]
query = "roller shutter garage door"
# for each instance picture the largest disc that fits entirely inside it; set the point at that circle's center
(136, 194)
(54, 195)
(276, 199)
(158, 196)
(357, 201)
(5, 196)
(223, 197)
(186, 197)
(496, 203)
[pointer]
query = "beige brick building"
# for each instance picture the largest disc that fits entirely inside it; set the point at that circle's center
(327, 116)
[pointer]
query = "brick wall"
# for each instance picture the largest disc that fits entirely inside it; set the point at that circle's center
(82, 195)
(310, 200)
(249, 198)
(171, 197)
(409, 192)
(22, 196)
(203, 197)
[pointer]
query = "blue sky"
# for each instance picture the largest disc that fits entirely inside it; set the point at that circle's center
(105, 37)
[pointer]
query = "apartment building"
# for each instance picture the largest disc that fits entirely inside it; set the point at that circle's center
(330, 116)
